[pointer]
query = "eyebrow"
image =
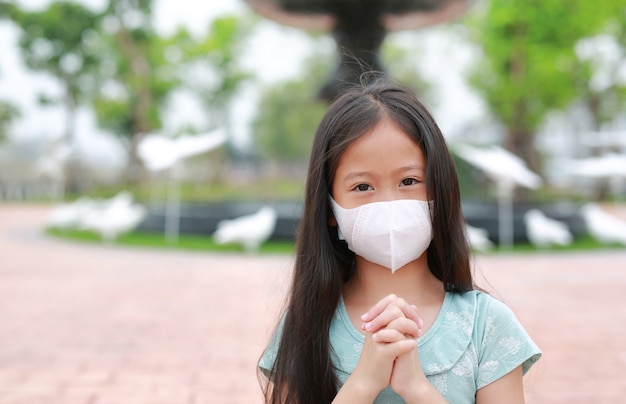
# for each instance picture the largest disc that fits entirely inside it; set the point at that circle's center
(360, 174)
(411, 167)
(356, 174)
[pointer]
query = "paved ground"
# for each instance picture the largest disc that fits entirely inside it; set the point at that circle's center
(85, 324)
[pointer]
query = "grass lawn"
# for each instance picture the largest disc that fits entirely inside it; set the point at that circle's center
(205, 243)
(157, 240)
(585, 243)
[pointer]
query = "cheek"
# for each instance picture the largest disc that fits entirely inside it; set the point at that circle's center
(423, 195)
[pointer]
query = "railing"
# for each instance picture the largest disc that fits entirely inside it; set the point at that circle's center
(31, 191)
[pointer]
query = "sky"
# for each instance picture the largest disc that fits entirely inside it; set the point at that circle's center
(274, 53)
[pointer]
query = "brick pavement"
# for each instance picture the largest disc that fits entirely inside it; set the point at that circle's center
(91, 324)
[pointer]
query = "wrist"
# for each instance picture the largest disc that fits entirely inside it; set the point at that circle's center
(423, 392)
(414, 395)
(356, 390)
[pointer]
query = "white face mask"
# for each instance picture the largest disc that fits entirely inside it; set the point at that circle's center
(390, 234)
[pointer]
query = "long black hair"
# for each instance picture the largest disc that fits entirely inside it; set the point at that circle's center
(303, 371)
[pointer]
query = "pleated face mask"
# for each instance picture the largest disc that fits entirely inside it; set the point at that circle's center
(390, 233)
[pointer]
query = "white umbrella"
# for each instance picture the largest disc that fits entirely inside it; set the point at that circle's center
(159, 153)
(507, 170)
(610, 167)
(606, 166)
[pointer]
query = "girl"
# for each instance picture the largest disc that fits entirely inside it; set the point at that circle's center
(382, 306)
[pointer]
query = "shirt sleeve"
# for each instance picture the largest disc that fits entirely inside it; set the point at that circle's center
(505, 344)
(266, 363)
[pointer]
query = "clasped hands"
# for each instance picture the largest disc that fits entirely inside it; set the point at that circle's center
(390, 355)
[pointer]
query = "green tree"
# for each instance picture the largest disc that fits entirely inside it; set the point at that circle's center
(8, 113)
(289, 111)
(60, 40)
(209, 69)
(217, 54)
(403, 65)
(600, 85)
(288, 114)
(144, 69)
(137, 75)
(529, 65)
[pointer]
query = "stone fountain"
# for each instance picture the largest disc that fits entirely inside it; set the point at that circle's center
(358, 27)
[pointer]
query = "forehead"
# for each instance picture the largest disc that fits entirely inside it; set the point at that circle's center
(386, 141)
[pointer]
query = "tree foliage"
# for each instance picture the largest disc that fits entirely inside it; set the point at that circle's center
(136, 76)
(602, 68)
(144, 69)
(8, 113)
(217, 55)
(60, 40)
(529, 64)
(115, 62)
(289, 112)
(402, 64)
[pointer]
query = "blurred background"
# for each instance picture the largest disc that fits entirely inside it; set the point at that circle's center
(186, 125)
(83, 83)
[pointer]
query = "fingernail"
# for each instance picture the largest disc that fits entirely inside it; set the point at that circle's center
(420, 324)
(363, 316)
(368, 326)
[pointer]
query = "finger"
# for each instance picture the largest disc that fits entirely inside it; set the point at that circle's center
(390, 313)
(396, 309)
(401, 347)
(420, 322)
(405, 326)
(388, 335)
(384, 303)
(378, 308)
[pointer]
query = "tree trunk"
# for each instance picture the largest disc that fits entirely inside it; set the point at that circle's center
(141, 124)
(521, 143)
(71, 164)
(520, 139)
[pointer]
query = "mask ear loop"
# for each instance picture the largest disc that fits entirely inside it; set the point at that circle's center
(334, 208)
(332, 220)
(431, 209)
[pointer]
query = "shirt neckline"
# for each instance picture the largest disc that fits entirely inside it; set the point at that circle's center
(345, 318)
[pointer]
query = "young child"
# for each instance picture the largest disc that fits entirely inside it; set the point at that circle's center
(383, 307)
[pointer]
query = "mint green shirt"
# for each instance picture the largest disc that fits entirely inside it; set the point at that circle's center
(474, 341)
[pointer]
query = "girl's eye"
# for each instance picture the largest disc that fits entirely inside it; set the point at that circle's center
(362, 187)
(409, 181)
